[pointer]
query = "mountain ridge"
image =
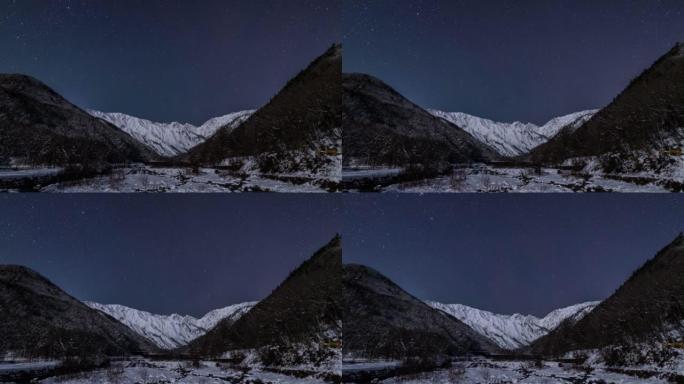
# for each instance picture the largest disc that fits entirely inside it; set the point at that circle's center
(381, 320)
(382, 127)
(172, 138)
(515, 138)
(297, 131)
(516, 330)
(39, 126)
(302, 314)
(648, 305)
(39, 319)
(647, 116)
(170, 331)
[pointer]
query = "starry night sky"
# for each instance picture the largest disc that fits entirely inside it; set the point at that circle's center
(509, 253)
(166, 60)
(509, 60)
(184, 254)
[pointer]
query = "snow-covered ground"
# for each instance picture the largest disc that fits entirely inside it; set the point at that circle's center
(355, 365)
(483, 178)
(487, 371)
(637, 165)
(7, 367)
(145, 371)
(171, 331)
(513, 331)
(356, 173)
(20, 173)
(152, 179)
(330, 167)
(321, 354)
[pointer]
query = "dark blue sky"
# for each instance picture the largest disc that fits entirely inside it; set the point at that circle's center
(509, 253)
(166, 59)
(186, 254)
(527, 60)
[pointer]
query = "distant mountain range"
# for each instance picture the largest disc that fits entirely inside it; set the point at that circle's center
(171, 139)
(513, 139)
(507, 331)
(514, 331)
(171, 331)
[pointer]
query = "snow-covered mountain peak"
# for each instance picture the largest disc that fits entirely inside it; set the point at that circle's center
(517, 330)
(171, 331)
(571, 121)
(231, 121)
(517, 138)
(171, 139)
(574, 312)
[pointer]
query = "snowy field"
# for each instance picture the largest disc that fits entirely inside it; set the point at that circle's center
(11, 173)
(357, 365)
(9, 367)
(144, 371)
(153, 179)
(357, 173)
(484, 371)
(484, 178)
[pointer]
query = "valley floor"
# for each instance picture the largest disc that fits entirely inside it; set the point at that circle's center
(143, 371)
(487, 371)
(485, 178)
(156, 179)
(11, 173)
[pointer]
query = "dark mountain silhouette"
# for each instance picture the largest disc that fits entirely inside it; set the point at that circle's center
(301, 310)
(291, 131)
(38, 126)
(647, 115)
(381, 127)
(38, 319)
(649, 304)
(381, 320)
